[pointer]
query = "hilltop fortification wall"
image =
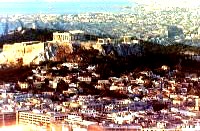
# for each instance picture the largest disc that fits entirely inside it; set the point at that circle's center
(26, 51)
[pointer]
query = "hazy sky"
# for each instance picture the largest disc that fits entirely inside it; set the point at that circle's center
(148, 2)
(64, 0)
(77, 6)
(170, 3)
(61, 6)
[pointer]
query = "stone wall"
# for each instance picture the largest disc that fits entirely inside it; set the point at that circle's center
(27, 51)
(91, 44)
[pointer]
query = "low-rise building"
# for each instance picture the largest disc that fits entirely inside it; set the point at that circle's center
(39, 118)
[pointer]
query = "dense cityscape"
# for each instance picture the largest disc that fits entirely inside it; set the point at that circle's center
(132, 71)
(143, 23)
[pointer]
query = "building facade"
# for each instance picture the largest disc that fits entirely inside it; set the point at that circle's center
(68, 36)
(7, 118)
(31, 118)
